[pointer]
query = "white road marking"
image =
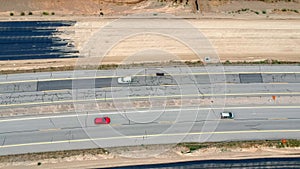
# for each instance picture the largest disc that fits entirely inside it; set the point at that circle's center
(151, 135)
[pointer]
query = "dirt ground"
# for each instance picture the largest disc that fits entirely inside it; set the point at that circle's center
(234, 29)
(123, 156)
(233, 39)
(125, 7)
(145, 104)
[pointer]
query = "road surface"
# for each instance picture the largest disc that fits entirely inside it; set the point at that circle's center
(44, 133)
(79, 86)
(257, 114)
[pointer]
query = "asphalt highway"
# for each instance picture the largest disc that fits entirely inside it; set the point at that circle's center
(248, 93)
(84, 86)
(43, 133)
(19, 99)
(84, 74)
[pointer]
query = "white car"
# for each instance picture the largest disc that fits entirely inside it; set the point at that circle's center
(126, 79)
(227, 115)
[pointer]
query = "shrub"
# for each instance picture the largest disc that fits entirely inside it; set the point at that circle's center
(45, 13)
(227, 62)
(257, 13)
(276, 62)
(22, 14)
(11, 14)
(52, 13)
(293, 143)
(296, 11)
(283, 10)
(30, 13)
(264, 12)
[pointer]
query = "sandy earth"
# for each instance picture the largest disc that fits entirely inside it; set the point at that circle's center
(146, 104)
(137, 155)
(235, 36)
(232, 39)
(124, 7)
(90, 7)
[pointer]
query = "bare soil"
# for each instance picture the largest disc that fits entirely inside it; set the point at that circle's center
(146, 104)
(125, 7)
(149, 154)
(237, 33)
(236, 40)
(89, 7)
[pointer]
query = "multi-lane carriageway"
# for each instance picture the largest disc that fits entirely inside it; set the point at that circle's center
(257, 115)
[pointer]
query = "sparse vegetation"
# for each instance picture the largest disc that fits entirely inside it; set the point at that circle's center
(293, 143)
(48, 155)
(243, 10)
(225, 146)
(285, 10)
(267, 61)
(227, 62)
(193, 146)
(45, 13)
(274, 1)
(155, 64)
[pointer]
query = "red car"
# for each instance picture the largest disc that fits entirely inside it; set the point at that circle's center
(102, 120)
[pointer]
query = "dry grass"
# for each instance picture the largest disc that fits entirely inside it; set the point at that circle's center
(50, 155)
(118, 152)
(138, 65)
(242, 144)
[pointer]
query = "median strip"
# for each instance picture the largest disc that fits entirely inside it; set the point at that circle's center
(151, 97)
